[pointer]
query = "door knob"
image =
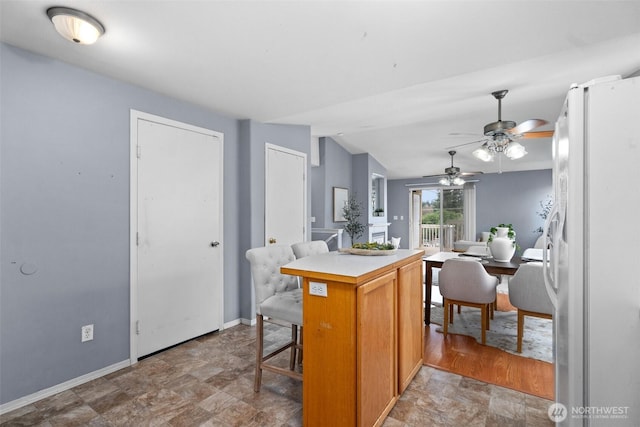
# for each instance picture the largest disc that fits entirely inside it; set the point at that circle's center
(214, 244)
(272, 240)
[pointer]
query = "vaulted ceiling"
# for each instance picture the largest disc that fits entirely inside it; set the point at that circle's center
(401, 80)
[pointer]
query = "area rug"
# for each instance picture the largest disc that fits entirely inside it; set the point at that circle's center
(537, 342)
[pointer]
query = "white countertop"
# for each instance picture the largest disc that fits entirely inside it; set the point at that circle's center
(345, 265)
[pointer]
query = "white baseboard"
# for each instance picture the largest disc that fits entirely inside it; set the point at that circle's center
(232, 323)
(27, 400)
(248, 322)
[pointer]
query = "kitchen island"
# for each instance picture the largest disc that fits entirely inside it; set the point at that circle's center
(363, 334)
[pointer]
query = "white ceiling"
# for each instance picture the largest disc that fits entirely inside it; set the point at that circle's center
(391, 78)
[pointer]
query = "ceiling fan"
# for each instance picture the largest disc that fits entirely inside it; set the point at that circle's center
(452, 174)
(501, 136)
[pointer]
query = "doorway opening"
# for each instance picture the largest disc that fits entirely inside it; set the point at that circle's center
(442, 216)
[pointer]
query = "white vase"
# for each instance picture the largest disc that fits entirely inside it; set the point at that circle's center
(502, 231)
(501, 246)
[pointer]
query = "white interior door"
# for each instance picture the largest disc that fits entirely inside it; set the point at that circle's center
(285, 195)
(179, 233)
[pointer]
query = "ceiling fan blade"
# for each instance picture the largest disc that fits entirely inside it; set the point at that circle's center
(464, 134)
(440, 175)
(466, 143)
(538, 134)
(429, 184)
(471, 173)
(526, 126)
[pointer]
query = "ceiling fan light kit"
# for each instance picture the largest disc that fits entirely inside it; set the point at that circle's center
(452, 174)
(483, 153)
(515, 150)
(512, 149)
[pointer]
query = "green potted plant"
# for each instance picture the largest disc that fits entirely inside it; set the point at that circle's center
(545, 210)
(352, 211)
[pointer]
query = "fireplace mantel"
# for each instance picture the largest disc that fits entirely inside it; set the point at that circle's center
(379, 232)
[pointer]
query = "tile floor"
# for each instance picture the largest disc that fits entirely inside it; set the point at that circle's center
(209, 382)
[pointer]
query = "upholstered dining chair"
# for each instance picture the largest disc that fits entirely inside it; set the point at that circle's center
(313, 247)
(466, 282)
(278, 298)
(528, 294)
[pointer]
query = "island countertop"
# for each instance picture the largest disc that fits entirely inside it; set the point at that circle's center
(348, 268)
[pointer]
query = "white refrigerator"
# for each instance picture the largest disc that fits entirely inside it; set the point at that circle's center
(593, 273)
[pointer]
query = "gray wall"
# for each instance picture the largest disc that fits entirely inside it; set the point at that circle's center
(513, 197)
(334, 171)
(363, 166)
(510, 197)
(253, 137)
(398, 205)
(65, 210)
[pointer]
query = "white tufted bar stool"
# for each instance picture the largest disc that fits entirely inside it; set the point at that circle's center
(313, 247)
(278, 297)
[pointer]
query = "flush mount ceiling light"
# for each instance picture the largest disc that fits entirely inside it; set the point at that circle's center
(75, 25)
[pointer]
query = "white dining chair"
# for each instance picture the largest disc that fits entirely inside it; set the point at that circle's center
(466, 282)
(528, 293)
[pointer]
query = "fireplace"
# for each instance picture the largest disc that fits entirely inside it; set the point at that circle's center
(379, 237)
(379, 232)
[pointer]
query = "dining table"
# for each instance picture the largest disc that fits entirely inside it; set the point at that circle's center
(492, 266)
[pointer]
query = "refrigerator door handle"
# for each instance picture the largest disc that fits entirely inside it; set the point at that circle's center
(548, 262)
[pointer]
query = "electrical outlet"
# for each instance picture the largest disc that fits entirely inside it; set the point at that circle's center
(87, 333)
(319, 289)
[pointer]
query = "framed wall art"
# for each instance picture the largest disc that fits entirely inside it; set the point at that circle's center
(340, 200)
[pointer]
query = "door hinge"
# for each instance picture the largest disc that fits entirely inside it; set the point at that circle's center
(137, 239)
(137, 327)
(138, 151)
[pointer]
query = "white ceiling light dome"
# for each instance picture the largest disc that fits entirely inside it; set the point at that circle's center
(74, 25)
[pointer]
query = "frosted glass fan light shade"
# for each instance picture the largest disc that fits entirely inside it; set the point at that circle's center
(75, 26)
(458, 181)
(515, 151)
(444, 181)
(483, 153)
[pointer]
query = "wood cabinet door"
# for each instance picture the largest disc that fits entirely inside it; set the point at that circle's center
(410, 323)
(376, 349)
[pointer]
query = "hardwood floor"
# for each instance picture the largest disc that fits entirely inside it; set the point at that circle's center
(463, 355)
